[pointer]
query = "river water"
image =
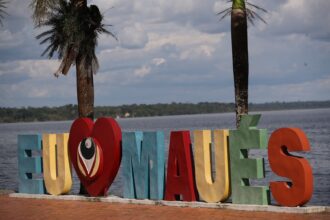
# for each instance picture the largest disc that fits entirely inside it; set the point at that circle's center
(315, 123)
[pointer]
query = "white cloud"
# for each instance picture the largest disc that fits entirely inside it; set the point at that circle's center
(220, 6)
(171, 50)
(304, 91)
(200, 52)
(133, 37)
(9, 39)
(302, 17)
(35, 69)
(19, 8)
(158, 61)
(163, 8)
(143, 71)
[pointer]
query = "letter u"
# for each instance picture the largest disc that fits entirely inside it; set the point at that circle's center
(56, 164)
(210, 190)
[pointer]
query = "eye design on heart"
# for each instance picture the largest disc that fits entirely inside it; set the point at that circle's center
(90, 158)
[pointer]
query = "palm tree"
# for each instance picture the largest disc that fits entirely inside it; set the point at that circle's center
(73, 32)
(241, 12)
(2, 10)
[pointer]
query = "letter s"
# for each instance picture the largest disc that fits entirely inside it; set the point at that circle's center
(300, 190)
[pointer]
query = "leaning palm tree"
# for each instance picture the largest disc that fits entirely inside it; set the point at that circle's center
(241, 12)
(72, 35)
(2, 10)
(73, 31)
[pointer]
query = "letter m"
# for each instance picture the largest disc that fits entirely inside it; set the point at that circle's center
(143, 165)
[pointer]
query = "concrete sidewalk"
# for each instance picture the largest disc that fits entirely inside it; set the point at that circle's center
(27, 208)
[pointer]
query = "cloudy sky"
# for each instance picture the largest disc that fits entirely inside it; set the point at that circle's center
(175, 51)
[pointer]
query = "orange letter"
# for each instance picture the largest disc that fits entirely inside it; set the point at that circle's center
(299, 191)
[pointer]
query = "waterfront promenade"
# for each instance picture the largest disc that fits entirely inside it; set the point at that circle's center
(26, 208)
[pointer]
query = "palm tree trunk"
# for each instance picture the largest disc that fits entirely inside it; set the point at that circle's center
(85, 84)
(85, 89)
(85, 93)
(240, 55)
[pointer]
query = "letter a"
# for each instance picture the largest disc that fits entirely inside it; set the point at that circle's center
(180, 176)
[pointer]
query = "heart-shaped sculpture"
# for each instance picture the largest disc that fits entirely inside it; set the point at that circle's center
(95, 152)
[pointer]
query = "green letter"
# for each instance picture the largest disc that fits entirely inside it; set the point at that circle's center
(242, 168)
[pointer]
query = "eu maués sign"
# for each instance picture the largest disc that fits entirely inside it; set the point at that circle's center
(96, 151)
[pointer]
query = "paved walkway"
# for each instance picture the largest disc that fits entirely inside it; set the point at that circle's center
(19, 208)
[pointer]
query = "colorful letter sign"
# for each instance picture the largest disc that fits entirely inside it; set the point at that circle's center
(29, 165)
(56, 164)
(300, 190)
(242, 168)
(143, 165)
(209, 189)
(180, 176)
(95, 152)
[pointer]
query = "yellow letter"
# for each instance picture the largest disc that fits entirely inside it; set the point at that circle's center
(218, 189)
(56, 168)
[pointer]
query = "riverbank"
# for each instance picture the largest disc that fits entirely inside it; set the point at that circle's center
(28, 208)
(69, 112)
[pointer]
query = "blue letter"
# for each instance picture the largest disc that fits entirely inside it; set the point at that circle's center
(28, 164)
(143, 165)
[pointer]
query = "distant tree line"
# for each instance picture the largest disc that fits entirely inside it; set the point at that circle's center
(70, 112)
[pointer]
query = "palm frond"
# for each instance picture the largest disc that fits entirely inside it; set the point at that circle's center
(224, 13)
(41, 9)
(252, 15)
(3, 6)
(73, 34)
(257, 7)
(250, 10)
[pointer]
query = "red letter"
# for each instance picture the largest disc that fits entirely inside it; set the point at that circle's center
(180, 179)
(281, 142)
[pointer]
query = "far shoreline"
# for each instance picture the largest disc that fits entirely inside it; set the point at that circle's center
(164, 116)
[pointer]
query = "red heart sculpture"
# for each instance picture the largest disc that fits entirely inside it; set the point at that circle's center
(95, 152)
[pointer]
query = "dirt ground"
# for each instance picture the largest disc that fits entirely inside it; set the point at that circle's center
(19, 208)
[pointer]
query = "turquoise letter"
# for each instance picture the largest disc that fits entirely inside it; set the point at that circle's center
(143, 165)
(29, 165)
(242, 168)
